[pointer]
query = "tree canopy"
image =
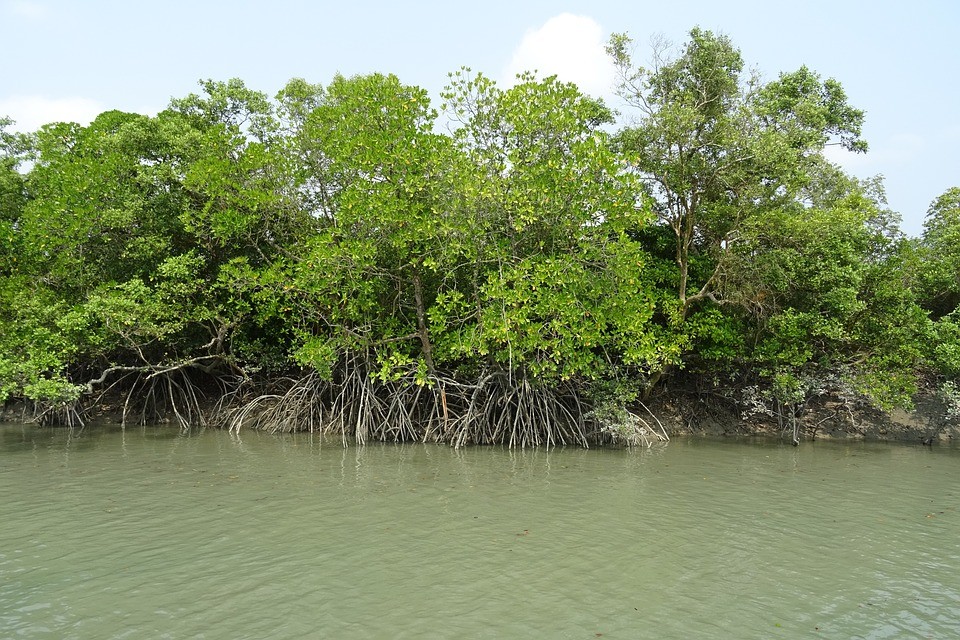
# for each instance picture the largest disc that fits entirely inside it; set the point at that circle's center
(514, 265)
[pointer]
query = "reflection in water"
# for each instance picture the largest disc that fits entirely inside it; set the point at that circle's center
(153, 532)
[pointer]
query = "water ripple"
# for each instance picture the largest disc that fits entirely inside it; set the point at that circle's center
(152, 533)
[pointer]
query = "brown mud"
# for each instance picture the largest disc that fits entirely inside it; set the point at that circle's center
(823, 418)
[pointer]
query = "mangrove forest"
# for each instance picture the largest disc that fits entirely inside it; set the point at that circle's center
(523, 265)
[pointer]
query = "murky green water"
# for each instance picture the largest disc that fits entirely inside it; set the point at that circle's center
(152, 534)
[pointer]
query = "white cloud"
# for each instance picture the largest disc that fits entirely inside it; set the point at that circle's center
(31, 112)
(27, 9)
(570, 47)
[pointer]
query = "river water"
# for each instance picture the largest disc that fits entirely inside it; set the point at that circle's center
(154, 533)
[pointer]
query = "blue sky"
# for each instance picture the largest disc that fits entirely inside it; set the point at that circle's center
(900, 61)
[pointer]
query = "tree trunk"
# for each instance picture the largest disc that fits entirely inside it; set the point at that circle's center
(422, 332)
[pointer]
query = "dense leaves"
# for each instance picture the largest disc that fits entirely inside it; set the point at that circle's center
(509, 266)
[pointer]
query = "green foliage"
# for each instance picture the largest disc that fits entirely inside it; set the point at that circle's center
(716, 150)
(383, 181)
(14, 149)
(945, 351)
(129, 242)
(806, 112)
(103, 205)
(38, 338)
(560, 289)
(949, 394)
(827, 296)
(340, 234)
(940, 255)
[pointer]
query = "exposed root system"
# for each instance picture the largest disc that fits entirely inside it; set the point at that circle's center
(497, 409)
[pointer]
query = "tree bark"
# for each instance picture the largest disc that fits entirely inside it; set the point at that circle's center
(422, 331)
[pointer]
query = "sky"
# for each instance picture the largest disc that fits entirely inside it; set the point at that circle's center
(898, 61)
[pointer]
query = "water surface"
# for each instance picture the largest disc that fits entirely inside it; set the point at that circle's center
(156, 533)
